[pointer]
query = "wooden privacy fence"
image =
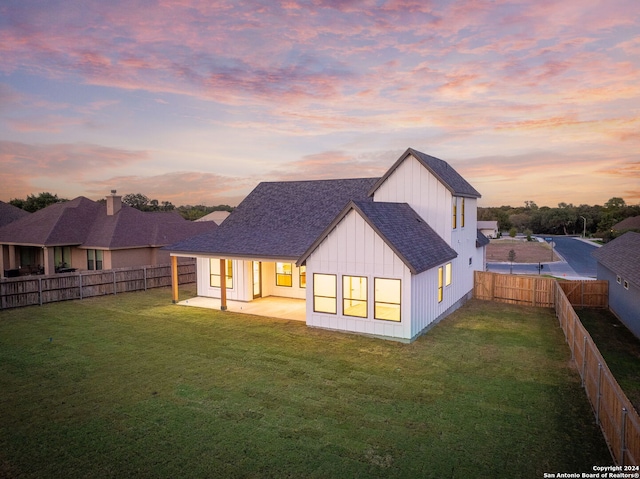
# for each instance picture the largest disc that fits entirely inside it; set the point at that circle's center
(618, 419)
(538, 290)
(33, 290)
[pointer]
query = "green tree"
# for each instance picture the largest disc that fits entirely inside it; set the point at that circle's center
(513, 232)
(35, 203)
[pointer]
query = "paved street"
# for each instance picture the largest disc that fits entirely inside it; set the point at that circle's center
(577, 255)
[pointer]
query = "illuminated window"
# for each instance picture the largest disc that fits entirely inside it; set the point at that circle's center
(354, 296)
(324, 293)
(462, 214)
(94, 259)
(447, 274)
(283, 274)
(454, 212)
(440, 284)
(214, 269)
(303, 276)
(386, 299)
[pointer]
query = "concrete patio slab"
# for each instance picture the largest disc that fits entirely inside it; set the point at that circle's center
(271, 306)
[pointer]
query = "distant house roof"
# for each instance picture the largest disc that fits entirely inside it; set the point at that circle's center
(487, 225)
(449, 177)
(622, 256)
(83, 222)
(418, 246)
(10, 213)
(631, 223)
(278, 219)
(217, 216)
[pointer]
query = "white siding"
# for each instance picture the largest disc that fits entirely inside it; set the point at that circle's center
(354, 249)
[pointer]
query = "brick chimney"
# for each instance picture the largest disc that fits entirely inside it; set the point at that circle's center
(114, 203)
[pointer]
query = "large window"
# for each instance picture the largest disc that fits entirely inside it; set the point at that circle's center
(324, 293)
(62, 256)
(447, 274)
(94, 259)
(284, 274)
(387, 298)
(440, 284)
(214, 268)
(462, 214)
(454, 212)
(303, 276)
(354, 296)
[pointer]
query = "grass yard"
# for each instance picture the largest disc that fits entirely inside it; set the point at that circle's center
(619, 348)
(526, 251)
(134, 386)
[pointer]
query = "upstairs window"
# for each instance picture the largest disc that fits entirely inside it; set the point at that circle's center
(284, 275)
(454, 213)
(462, 214)
(214, 265)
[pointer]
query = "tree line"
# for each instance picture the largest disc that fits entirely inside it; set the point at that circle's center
(139, 201)
(566, 219)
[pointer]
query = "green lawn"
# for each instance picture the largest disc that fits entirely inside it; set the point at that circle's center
(134, 386)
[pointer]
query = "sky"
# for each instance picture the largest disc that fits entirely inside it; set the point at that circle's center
(197, 101)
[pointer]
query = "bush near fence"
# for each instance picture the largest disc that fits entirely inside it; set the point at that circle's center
(618, 419)
(34, 290)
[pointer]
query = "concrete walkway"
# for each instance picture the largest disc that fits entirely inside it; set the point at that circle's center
(271, 306)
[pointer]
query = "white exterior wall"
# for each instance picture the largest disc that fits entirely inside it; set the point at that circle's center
(354, 248)
(269, 287)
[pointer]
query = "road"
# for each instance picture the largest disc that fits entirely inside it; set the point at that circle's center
(576, 253)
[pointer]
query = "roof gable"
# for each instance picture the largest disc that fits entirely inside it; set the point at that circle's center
(402, 229)
(278, 219)
(449, 177)
(622, 256)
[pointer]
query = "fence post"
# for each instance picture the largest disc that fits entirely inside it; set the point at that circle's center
(115, 287)
(622, 435)
(144, 268)
(573, 340)
(80, 284)
(598, 397)
(584, 357)
(40, 291)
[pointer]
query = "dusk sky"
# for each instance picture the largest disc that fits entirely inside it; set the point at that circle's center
(196, 101)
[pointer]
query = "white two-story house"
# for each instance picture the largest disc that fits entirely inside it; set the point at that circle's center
(385, 256)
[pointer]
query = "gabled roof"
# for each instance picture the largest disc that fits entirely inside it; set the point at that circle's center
(418, 246)
(481, 240)
(10, 213)
(278, 219)
(83, 222)
(631, 223)
(487, 225)
(449, 177)
(622, 256)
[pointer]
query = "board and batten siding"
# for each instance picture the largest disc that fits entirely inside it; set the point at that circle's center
(413, 184)
(353, 248)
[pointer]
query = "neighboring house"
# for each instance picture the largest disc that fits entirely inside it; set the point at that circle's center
(217, 216)
(628, 224)
(619, 263)
(82, 234)
(10, 213)
(488, 228)
(383, 256)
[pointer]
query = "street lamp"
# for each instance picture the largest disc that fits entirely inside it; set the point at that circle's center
(584, 233)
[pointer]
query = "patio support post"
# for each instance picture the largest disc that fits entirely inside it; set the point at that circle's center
(223, 285)
(174, 278)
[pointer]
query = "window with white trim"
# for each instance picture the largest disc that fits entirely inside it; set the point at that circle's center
(284, 274)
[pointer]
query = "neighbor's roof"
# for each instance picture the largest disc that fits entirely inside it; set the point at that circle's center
(217, 216)
(631, 223)
(487, 225)
(83, 222)
(10, 213)
(622, 256)
(481, 240)
(278, 219)
(418, 246)
(449, 177)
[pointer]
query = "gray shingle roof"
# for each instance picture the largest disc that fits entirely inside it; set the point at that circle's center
(84, 222)
(10, 213)
(449, 177)
(278, 219)
(402, 229)
(481, 240)
(622, 256)
(631, 223)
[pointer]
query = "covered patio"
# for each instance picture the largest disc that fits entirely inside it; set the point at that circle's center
(271, 306)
